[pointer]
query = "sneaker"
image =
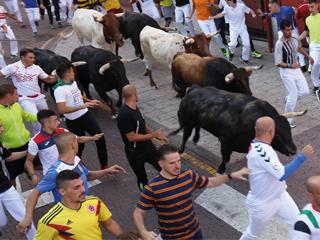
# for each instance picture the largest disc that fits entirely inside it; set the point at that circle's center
(314, 90)
(230, 57)
(226, 52)
(35, 34)
(36, 23)
(292, 125)
(318, 94)
(52, 26)
(244, 61)
(309, 68)
(15, 57)
(256, 54)
(59, 24)
(304, 69)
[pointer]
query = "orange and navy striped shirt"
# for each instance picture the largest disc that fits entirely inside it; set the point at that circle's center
(172, 200)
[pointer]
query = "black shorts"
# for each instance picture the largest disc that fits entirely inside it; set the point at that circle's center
(16, 167)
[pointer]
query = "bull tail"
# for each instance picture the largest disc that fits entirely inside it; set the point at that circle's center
(175, 132)
(63, 35)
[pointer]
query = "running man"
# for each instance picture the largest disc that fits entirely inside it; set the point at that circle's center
(79, 215)
(43, 143)
(284, 13)
(267, 178)
(170, 193)
(25, 76)
(208, 25)
(148, 7)
(13, 8)
(67, 145)
(235, 13)
(306, 226)
(182, 12)
(10, 199)
(137, 136)
(313, 30)
(79, 120)
(286, 58)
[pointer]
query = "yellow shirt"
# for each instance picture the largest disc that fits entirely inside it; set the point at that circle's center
(166, 3)
(112, 4)
(313, 24)
(62, 223)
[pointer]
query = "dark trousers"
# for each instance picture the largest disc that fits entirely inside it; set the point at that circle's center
(47, 5)
(88, 124)
(137, 160)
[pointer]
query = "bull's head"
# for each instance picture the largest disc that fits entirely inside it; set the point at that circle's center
(282, 140)
(240, 79)
(111, 28)
(198, 44)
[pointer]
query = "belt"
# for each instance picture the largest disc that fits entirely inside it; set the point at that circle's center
(33, 96)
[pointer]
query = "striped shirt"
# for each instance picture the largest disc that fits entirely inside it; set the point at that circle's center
(172, 200)
(286, 51)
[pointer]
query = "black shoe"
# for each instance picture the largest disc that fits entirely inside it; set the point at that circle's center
(244, 61)
(36, 23)
(304, 68)
(315, 89)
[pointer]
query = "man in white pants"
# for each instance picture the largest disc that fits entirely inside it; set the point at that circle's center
(9, 197)
(148, 7)
(67, 5)
(33, 13)
(5, 30)
(13, 8)
(313, 30)
(235, 13)
(183, 13)
(267, 178)
(24, 75)
(286, 58)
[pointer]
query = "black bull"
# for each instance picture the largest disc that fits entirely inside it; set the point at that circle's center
(231, 118)
(103, 69)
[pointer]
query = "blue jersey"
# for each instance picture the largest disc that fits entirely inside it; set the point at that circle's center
(286, 13)
(30, 4)
(48, 182)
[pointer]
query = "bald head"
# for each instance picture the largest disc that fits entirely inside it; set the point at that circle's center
(263, 126)
(313, 184)
(64, 142)
(129, 91)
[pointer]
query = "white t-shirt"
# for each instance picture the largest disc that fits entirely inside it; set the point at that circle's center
(305, 228)
(265, 172)
(25, 79)
(71, 95)
(236, 16)
(44, 145)
(3, 16)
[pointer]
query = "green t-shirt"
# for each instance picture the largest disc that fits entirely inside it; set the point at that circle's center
(313, 24)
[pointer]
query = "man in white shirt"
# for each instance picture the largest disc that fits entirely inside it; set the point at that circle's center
(78, 119)
(268, 195)
(307, 224)
(43, 143)
(148, 7)
(25, 75)
(235, 14)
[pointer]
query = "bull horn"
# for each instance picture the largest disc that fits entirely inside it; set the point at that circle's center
(118, 15)
(253, 68)
(98, 18)
(54, 72)
(295, 114)
(123, 60)
(104, 67)
(78, 63)
(209, 35)
(189, 41)
(228, 78)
